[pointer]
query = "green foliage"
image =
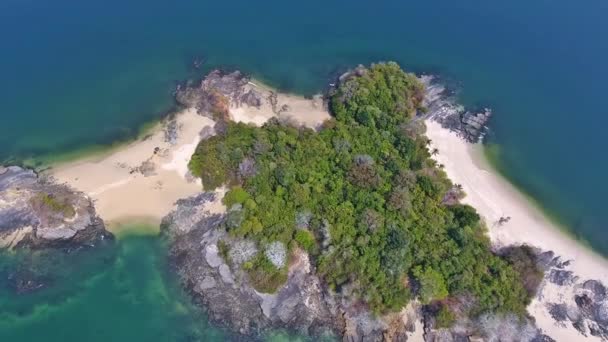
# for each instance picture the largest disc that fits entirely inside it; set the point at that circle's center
(364, 196)
(525, 261)
(236, 195)
(432, 284)
(54, 204)
(224, 250)
(444, 318)
(306, 240)
(216, 160)
(264, 276)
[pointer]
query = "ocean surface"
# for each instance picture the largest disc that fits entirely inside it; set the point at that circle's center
(121, 292)
(76, 74)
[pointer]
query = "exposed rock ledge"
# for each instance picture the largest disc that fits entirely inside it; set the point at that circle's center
(443, 108)
(35, 212)
(221, 287)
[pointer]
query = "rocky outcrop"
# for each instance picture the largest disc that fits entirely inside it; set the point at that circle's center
(581, 303)
(216, 280)
(218, 283)
(35, 212)
(442, 107)
(216, 92)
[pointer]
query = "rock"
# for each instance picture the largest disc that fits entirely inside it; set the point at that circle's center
(35, 212)
(242, 251)
(600, 313)
(559, 312)
(584, 302)
(170, 130)
(216, 91)
(247, 168)
(206, 132)
(24, 281)
(212, 256)
(226, 274)
(597, 289)
(442, 107)
(561, 277)
(221, 286)
(251, 98)
(207, 283)
(542, 338)
(190, 213)
(277, 254)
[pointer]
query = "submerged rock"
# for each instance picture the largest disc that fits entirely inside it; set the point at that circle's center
(35, 212)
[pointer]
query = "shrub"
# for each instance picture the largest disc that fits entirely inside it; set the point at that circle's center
(264, 276)
(306, 240)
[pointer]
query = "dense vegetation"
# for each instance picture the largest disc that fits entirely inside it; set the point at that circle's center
(365, 199)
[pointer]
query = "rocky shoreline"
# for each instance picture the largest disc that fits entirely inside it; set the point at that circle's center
(218, 283)
(442, 106)
(48, 222)
(36, 212)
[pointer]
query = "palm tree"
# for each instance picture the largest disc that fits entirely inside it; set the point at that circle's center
(428, 142)
(435, 151)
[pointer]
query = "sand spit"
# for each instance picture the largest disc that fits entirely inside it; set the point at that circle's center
(142, 180)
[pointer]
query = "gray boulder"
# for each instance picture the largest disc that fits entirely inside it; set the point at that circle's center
(36, 212)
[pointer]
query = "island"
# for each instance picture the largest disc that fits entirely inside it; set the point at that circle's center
(365, 214)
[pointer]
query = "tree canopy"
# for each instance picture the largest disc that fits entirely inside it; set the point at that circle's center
(363, 197)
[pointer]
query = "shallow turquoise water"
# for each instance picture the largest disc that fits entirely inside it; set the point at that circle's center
(122, 292)
(116, 293)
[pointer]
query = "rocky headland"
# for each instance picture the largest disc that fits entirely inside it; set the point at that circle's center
(44, 228)
(442, 106)
(216, 280)
(36, 212)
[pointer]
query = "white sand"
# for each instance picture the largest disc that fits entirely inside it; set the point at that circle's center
(494, 197)
(122, 196)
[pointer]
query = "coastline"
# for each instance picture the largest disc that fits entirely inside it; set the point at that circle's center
(140, 181)
(494, 197)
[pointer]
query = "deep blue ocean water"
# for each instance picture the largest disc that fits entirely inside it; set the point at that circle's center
(78, 73)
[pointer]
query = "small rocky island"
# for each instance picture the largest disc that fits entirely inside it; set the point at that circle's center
(48, 223)
(312, 253)
(35, 212)
(342, 226)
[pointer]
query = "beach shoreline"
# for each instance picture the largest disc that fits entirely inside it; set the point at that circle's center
(140, 181)
(494, 197)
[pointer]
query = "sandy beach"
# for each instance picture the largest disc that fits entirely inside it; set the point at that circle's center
(494, 197)
(141, 181)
